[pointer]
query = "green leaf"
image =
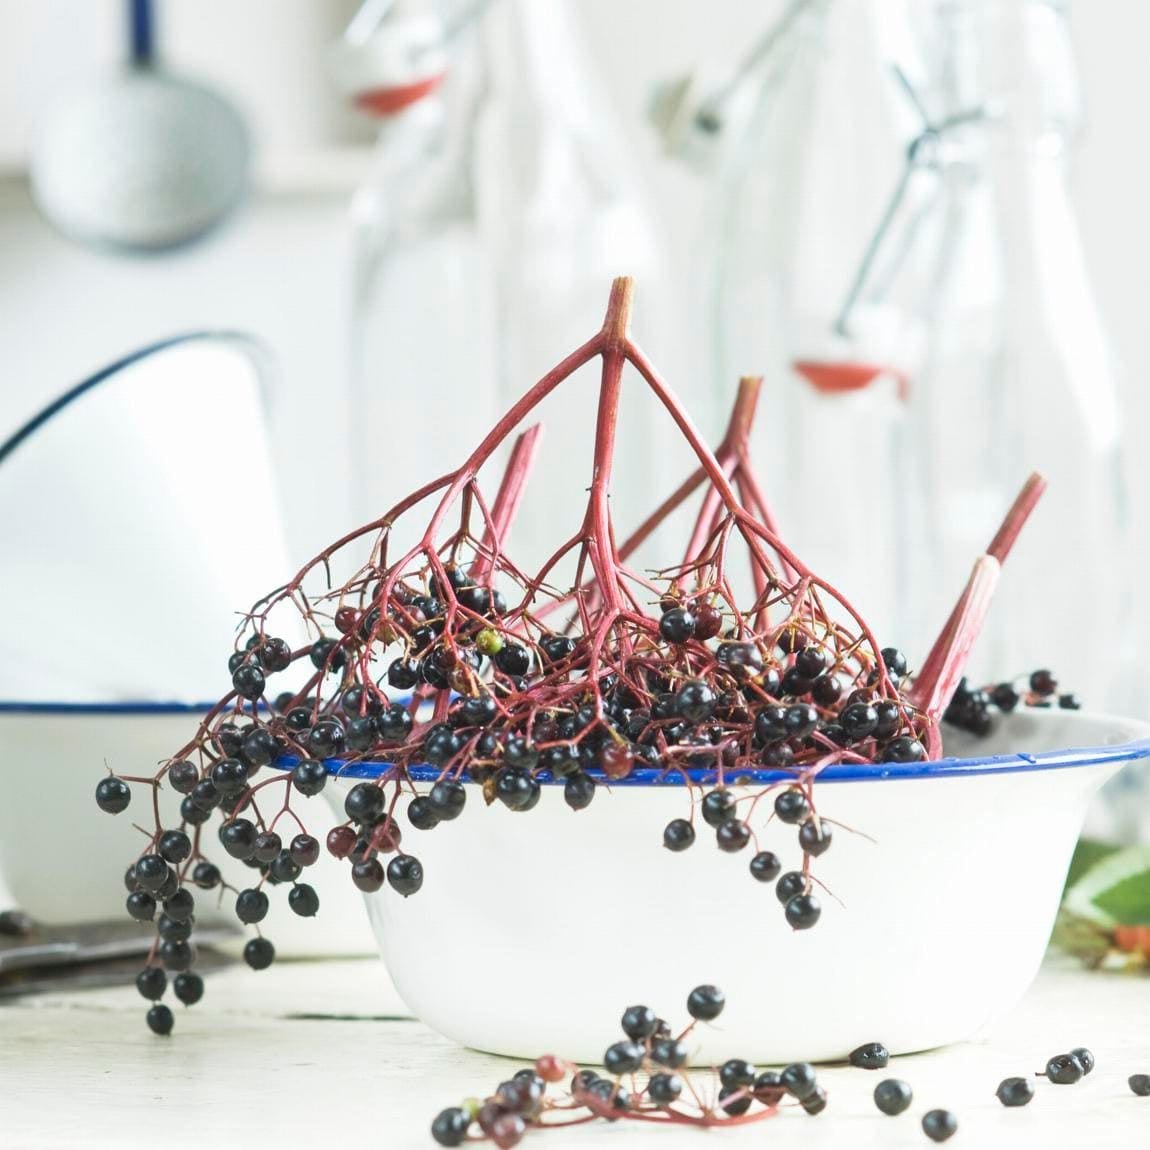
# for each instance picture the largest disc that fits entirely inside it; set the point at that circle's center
(1087, 854)
(1116, 890)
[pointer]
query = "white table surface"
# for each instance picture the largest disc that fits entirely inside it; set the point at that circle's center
(319, 1055)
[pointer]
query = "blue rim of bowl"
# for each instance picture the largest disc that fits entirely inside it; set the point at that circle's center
(253, 346)
(1019, 762)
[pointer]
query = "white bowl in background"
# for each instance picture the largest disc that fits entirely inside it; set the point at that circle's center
(63, 859)
(533, 931)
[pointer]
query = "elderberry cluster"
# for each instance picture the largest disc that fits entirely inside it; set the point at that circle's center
(650, 1048)
(973, 709)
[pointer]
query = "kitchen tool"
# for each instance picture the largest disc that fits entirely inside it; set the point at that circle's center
(140, 513)
(949, 886)
(51, 757)
(142, 161)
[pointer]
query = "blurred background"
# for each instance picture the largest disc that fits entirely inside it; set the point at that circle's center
(717, 153)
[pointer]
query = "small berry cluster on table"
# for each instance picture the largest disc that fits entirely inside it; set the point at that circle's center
(648, 1078)
(447, 656)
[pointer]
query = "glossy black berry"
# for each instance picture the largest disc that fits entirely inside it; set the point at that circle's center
(622, 1058)
(735, 1100)
(447, 799)
(174, 846)
(368, 875)
(1043, 683)
(205, 795)
(706, 1003)
(405, 873)
(803, 911)
(1064, 1069)
(895, 662)
(791, 805)
(516, 789)
(732, 836)
(259, 953)
(669, 1052)
(421, 814)
(248, 681)
(765, 866)
(579, 791)
(798, 1080)
(188, 988)
(364, 803)
(858, 721)
(403, 673)
(1139, 1084)
(904, 749)
(639, 1022)
(251, 906)
(695, 701)
(327, 738)
(815, 1102)
(869, 1056)
(556, 648)
(939, 1125)
(151, 982)
(1015, 1091)
(206, 875)
(113, 795)
(141, 906)
(792, 883)
(513, 659)
(309, 776)
(826, 690)
(394, 725)
(736, 1072)
(178, 929)
(176, 953)
(771, 724)
(238, 838)
(151, 872)
(160, 1020)
(520, 753)
(259, 747)
(677, 625)
(892, 1096)
(450, 1126)
(561, 760)
(325, 654)
(718, 807)
(182, 776)
(303, 900)
(815, 837)
(284, 868)
(664, 1089)
(678, 835)
(181, 905)
(229, 776)
(801, 720)
(1086, 1057)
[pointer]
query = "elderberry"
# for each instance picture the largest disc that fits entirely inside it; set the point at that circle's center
(765, 866)
(798, 1080)
(303, 900)
(446, 799)
(892, 1096)
(1015, 1091)
(706, 1003)
(1064, 1070)
(803, 911)
(151, 982)
(113, 795)
(670, 1052)
(251, 906)
(870, 1056)
(309, 776)
(792, 883)
(939, 1125)
(732, 836)
(579, 791)
(160, 1020)
(174, 846)
(718, 807)
(405, 873)
(1139, 1084)
(791, 806)
(677, 625)
(188, 988)
(259, 953)
(248, 681)
(450, 1126)
(664, 1089)
(639, 1022)
(815, 837)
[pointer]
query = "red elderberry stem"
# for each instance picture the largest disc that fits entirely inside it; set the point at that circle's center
(931, 692)
(507, 499)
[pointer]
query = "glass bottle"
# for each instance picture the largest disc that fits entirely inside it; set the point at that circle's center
(500, 210)
(898, 252)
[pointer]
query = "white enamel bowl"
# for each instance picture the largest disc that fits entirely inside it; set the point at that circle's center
(51, 758)
(533, 931)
